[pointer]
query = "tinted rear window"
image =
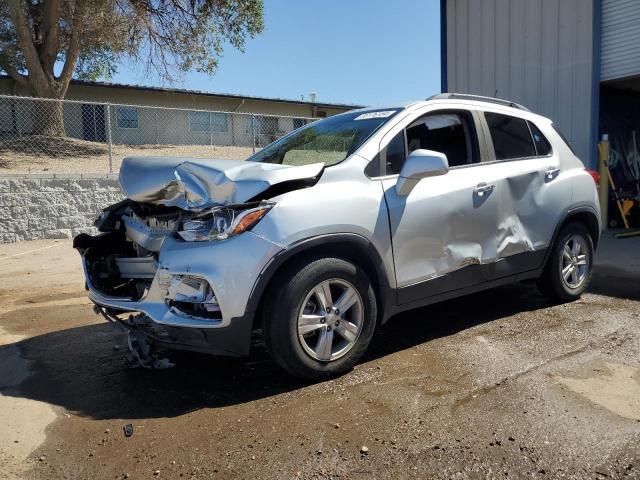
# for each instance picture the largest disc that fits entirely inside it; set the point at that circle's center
(564, 139)
(511, 136)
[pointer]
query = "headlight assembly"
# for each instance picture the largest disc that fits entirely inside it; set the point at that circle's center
(220, 223)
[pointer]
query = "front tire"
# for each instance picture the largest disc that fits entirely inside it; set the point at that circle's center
(320, 318)
(570, 265)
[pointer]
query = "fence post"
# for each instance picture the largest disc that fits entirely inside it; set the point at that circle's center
(95, 122)
(109, 136)
(253, 131)
(19, 127)
(155, 119)
(210, 131)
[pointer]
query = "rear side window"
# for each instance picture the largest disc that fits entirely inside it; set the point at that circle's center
(543, 147)
(511, 136)
(564, 139)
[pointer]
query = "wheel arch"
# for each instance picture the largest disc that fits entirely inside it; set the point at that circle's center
(583, 214)
(589, 220)
(348, 246)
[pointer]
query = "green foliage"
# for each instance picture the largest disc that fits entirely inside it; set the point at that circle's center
(166, 37)
(96, 65)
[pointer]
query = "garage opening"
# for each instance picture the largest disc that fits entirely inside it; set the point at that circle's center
(620, 120)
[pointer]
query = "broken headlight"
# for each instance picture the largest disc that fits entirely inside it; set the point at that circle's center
(222, 222)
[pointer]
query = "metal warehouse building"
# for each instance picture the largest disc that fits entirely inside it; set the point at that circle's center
(575, 61)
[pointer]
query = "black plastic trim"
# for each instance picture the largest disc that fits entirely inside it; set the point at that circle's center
(472, 275)
(233, 340)
(451, 294)
(444, 74)
(569, 212)
(340, 239)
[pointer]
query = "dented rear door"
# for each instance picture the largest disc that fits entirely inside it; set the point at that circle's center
(532, 191)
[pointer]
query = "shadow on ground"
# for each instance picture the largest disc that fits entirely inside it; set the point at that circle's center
(47, 146)
(615, 282)
(79, 369)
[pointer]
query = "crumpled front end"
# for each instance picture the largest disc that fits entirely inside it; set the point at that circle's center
(196, 184)
(189, 292)
(179, 251)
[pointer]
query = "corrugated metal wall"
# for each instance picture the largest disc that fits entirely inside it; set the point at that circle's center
(620, 39)
(535, 52)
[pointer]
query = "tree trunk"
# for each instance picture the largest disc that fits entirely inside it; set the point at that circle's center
(48, 118)
(47, 111)
(38, 42)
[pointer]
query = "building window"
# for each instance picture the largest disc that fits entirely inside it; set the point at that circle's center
(199, 121)
(219, 122)
(8, 119)
(208, 121)
(511, 136)
(248, 124)
(261, 125)
(268, 125)
(127, 117)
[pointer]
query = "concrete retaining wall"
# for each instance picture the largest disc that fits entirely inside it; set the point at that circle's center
(39, 206)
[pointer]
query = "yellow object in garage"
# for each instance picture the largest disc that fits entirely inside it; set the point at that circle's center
(603, 186)
(603, 154)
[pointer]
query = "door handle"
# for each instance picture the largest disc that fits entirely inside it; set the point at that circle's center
(483, 188)
(551, 173)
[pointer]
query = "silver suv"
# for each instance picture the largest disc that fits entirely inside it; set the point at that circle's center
(325, 234)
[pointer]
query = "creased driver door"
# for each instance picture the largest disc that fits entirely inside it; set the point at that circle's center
(444, 232)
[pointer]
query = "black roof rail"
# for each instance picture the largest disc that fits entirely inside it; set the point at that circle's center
(478, 98)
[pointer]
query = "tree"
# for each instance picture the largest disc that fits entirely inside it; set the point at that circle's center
(44, 43)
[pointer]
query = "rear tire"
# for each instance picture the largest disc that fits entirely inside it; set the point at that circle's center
(306, 332)
(568, 270)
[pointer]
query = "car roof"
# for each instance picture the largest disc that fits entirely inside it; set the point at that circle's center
(452, 99)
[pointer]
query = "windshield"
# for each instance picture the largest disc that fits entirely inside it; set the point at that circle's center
(330, 140)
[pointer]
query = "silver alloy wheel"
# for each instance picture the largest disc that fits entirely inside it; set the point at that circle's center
(329, 328)
(575, 261)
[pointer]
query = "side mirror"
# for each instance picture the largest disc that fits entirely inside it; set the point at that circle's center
(418, 165)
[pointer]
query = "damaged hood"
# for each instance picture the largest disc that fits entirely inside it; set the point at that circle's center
(196, 184)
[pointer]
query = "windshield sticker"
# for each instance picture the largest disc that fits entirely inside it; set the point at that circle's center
(370, 115)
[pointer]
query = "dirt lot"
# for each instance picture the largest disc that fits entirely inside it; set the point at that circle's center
(499, 384)
(39, 154)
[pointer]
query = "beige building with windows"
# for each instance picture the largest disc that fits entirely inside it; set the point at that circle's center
(185, 116)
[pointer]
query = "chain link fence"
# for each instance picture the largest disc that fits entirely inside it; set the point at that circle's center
(46, 135)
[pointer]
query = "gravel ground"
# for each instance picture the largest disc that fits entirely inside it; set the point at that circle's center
(69, 155)
(495, 385)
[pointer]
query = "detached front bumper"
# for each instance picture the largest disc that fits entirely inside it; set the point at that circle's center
(230, 268)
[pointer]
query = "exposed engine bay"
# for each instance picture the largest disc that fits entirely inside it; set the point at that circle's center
(123, 260)
(146, 272)
(122, 264)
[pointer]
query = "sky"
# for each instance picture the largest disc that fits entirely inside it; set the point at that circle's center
(363, 52)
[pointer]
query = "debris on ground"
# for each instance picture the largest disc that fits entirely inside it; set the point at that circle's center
(141, 354)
